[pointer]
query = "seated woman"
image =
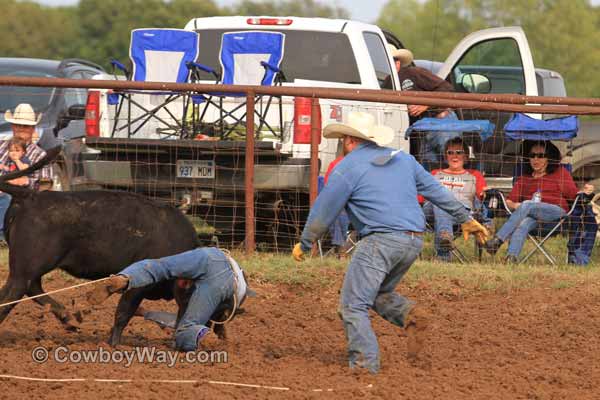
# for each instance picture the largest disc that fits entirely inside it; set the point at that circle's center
(539, 197)
(467, 185)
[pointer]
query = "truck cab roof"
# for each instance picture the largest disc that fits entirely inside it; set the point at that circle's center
(275, 23)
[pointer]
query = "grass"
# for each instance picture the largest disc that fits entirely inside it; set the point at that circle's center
(427, 272)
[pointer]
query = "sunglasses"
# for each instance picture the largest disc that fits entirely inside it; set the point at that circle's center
(455, 152)
(537, 155)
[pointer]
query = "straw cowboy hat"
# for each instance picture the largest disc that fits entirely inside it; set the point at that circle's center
(24, 115)
(361, 125)
(404, 55)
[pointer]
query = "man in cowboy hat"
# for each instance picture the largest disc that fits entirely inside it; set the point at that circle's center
(381, 201)
(412, 77)
(23, 122)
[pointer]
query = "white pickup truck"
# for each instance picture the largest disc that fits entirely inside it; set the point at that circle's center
(319, 52)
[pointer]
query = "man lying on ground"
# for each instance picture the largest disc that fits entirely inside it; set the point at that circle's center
(217, 283)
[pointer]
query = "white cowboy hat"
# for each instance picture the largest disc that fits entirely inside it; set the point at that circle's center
(361, 125)
(24, 115)
(404, 55)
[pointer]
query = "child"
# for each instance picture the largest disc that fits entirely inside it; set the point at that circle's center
(17, 161)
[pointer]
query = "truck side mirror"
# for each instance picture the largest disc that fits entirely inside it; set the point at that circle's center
(76, 111)
(475, 83)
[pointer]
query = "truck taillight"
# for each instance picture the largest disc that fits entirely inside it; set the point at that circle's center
(302, 120)
(269, 21)
(92, 113)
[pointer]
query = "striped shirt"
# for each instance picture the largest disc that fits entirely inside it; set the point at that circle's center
(35, 154)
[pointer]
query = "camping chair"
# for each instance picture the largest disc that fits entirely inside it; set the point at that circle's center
(578, 209)
(522, 127)
(428, 136)
(247, 58)
(157, 55)
(479, 213)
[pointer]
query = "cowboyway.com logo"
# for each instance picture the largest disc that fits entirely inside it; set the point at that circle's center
(142, 355)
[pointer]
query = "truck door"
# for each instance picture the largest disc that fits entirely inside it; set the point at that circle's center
(496, 60)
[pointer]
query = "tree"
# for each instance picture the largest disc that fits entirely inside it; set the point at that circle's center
(105, 25)
(30, 30)
(563, 34)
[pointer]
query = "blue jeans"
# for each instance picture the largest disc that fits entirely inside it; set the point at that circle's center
(5, 199)
(529, 216)
(339, 229)
(377, 266)
(213, 284)
(442, 222)
(582, 235)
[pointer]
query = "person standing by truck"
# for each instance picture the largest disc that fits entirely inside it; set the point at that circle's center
(381, 201)
(339, 229)
(416, 78)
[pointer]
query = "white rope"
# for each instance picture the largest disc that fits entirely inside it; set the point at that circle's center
(54, 291)
(173, 381)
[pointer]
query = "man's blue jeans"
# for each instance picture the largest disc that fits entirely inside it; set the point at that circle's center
(377, 266)
(213, 285)
(5, 199)
(529, 216)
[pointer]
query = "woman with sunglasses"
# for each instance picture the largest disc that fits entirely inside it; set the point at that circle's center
(467, 185)
(539, 197)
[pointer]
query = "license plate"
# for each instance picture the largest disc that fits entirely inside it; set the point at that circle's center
(196, 169)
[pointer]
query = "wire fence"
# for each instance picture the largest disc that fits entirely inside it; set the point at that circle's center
(245, 169)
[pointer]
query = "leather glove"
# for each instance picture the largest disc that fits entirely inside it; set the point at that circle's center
(297, 253)
(474, 227)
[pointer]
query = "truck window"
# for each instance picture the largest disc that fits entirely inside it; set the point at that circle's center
(499, 60)
(319, 56)
(11, 96)
(378, 56)
(75, 96)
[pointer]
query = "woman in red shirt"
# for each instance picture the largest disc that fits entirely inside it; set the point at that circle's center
(539, 197)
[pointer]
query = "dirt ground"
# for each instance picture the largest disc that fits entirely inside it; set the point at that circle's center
(526, 344)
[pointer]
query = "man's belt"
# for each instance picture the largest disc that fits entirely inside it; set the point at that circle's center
(409, 233)
(412, 233)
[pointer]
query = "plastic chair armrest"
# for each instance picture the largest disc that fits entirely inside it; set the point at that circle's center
(270, 66)
(197, 66)
(119, 65)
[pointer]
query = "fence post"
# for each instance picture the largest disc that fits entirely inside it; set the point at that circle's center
(249, 174)
(315, 131)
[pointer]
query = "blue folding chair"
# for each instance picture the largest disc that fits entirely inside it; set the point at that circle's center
(157, 55)
(247, 58)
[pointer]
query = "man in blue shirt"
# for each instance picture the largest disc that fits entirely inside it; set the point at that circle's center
(216, 281)
(378, 188)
